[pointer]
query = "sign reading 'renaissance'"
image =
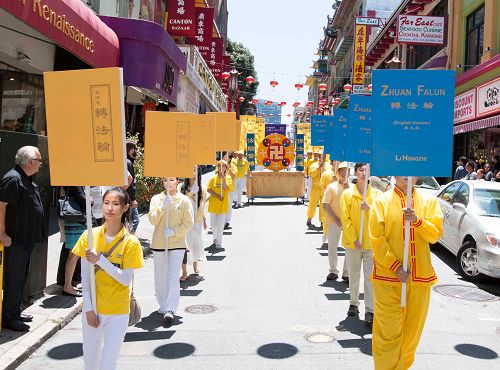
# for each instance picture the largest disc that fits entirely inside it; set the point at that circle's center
(415, 29)
(412, 122)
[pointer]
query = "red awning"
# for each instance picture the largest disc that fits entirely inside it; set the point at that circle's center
(477, 125)
(72, 25)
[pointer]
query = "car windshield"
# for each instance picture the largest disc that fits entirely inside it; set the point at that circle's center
(427, 182)
(487, 202)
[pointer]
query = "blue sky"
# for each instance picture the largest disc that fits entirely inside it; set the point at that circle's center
(283, 37)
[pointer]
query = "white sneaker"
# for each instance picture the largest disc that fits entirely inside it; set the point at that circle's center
(169, 316)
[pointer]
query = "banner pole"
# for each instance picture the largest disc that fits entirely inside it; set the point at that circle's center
(90, 246)
(362, 223)
(407, 240)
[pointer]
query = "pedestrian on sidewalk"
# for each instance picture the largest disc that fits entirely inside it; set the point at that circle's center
(131, 189)
(114, 255)
(219, 188)
(243, 170)
(21, 227)
(471, 174)
(197, 194)
(460, 171)
(396, 330)
(231, 170)
(169, 244)
(331, 206)
(358, 253)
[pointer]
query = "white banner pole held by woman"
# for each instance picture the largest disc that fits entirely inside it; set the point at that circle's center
(90, 245)
(407, 240)
(362, 223)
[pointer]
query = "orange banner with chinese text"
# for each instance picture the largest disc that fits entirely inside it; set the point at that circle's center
(358, 71)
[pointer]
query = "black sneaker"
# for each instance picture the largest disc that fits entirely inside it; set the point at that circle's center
(345, 279)
(15, 325)
(353, 311)
(226, 226)
(308, 223)
(369, 318)
(332, 276)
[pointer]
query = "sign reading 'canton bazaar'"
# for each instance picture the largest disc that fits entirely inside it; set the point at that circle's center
(181, 18)
(416, 29)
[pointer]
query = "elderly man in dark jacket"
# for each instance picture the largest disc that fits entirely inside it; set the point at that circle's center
(21, 227)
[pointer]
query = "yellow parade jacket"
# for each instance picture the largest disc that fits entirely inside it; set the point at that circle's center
(307, 165)
(350, 215)
(315, 173)
(327, 177)
(242, 166)
(387, 236)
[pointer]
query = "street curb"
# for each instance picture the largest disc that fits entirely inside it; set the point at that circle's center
(22, 350)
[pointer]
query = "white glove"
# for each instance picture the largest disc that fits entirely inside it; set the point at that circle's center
(168, 232)
(166, 202)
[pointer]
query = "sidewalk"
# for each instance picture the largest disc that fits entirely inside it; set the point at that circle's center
(53, 311)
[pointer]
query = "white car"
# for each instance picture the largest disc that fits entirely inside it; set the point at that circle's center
(471, 210)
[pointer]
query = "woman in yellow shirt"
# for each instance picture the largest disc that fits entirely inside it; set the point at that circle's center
(105, 321)
(219, 188)
(169, 244)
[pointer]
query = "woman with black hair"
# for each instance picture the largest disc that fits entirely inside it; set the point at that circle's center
(198, 195)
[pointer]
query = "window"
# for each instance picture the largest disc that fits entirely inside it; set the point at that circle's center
(462, 196)
(474, 38)
(447, 194)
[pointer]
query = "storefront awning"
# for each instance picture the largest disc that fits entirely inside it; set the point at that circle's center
(149, 56)
(72, 25)
(477, 125)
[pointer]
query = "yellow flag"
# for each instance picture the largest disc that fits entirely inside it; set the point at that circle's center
(86, 127)
(167, 144)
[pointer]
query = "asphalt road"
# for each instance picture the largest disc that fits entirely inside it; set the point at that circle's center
(269, 294)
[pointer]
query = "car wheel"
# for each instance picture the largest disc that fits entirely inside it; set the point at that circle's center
(467, 263)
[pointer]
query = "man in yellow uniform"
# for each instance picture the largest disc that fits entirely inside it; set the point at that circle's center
(331, 207)
(231, 171)
(307, 163)
(397, 330)
(358, 248)
(327, 177)
(315, 171)
(243, 169)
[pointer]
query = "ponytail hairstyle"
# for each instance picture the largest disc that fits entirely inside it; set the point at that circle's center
(185, 187)
(124, 201)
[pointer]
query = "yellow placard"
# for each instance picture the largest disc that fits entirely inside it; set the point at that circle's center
(168, 144)
(206, 140)
(86, 127)
(238, 135)
(225, 130)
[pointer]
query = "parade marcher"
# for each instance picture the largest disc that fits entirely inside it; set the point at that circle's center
(170, 238)
(243, 169)
(460, 172)
(21, 227)
(219, 188)
(327, 177)
(197, 194)
(307, 163)
(331, 206)
(131, 189)
(397, 330)
(315, 171)
(231, 170)
(104, 324)
(358, 253)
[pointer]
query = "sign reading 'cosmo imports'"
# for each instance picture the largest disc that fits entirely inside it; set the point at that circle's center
(415, 29)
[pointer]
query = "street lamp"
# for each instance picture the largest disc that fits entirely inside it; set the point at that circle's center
(233, 87)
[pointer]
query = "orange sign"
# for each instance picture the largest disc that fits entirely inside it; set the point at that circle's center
(358, 70)
(275, 152)
(226, 131)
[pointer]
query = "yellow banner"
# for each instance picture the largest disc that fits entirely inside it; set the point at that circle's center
(358, 71)
(168, 144)
(225, 130)
(207, 137)
(86, 127)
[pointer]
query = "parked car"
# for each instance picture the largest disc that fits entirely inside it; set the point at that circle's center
(471, 210)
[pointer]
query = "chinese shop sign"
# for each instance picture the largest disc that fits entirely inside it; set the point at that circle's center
(181, 18)
(416, 29)
(358, 71)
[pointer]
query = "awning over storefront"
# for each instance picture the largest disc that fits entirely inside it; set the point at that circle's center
(149, 56)
(70, 24)
(477, 125)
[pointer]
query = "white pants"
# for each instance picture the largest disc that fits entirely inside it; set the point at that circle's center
(356, 257)
(308, 187)
(240, 186)
(167, 284)
(217, 221)
(334, 234)
(232, 198)
(101, 345)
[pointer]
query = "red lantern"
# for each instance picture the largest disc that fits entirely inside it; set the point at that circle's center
(296, 104)
(370, 87)
(268, 103)
(263, 114)
(322, 87)
(255, 101)
(279, 114)
(283, 103)
(299, 86)
(310, 103)
(337, 100)
(249, 80)
(288, 115)
(225, 75)
(347, 87)
(273, 83)
(241, 99)
(271, 115)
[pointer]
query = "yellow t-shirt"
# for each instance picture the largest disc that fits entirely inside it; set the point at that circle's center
(214, 204)
(242, 167)
(332, 196)
(112, 297)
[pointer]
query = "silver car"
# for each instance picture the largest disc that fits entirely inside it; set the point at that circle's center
(471, 212)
